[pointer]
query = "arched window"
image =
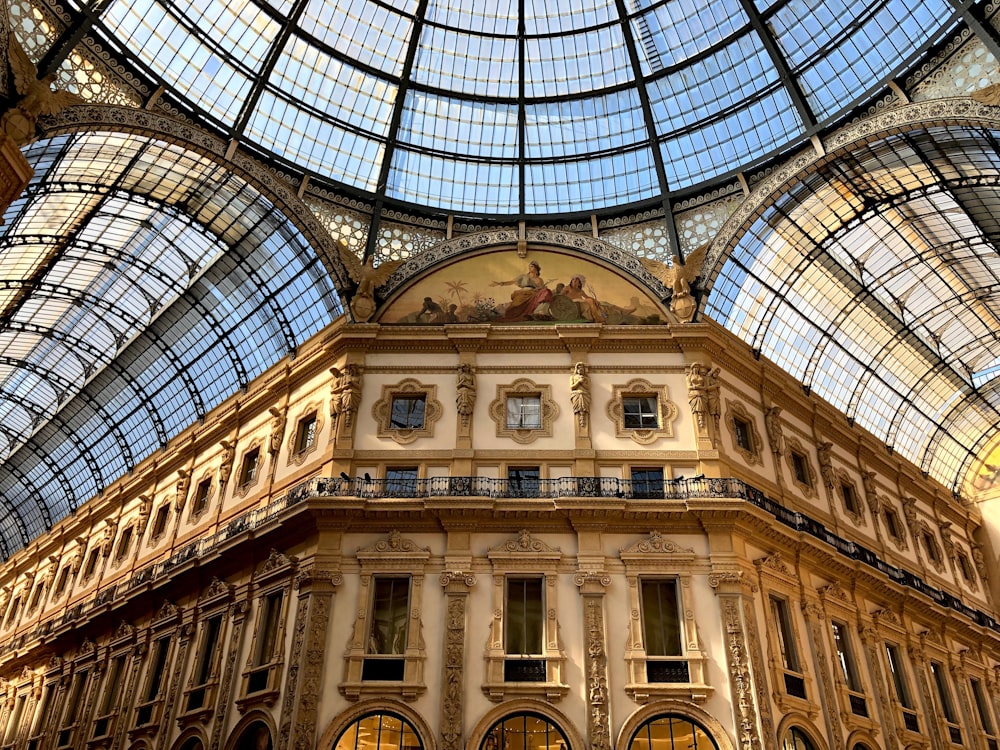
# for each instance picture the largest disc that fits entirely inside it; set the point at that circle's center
(796, 739)
(255, 737)
(525, 731)
(379, 732)
(671, 732)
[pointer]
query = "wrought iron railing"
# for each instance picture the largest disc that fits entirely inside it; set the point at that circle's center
(442, 487)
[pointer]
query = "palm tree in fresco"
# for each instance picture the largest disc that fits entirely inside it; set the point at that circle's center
(455, 288)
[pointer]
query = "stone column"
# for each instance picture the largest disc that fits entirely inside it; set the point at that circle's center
(818, 629)
(592, 585)
(302, 685)
(754, 726)
(456, 589)
(871, 643)
(238, 614)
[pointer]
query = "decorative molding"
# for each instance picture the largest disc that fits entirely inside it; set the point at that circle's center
(655, 544)
(793, 448)
(736, 410)
(314, 408)
(596, 671)
(667, 411)
(382, 411)
(524, 387)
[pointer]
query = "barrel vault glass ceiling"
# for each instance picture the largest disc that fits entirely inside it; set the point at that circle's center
(141, 283)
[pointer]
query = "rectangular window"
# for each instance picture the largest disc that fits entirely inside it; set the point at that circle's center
(62, 580)
(91, 563)
(892, 524)
(124, 542)
(786, 639)
(898, 676)
(160, 522)
(401, 481)
(251, 464)
(523, 481)
(388, 628)
(524, 412)
(15, 610)
(201, 496)
(850, 498)
(109, 698)
(647, 482)
(845, 657)
(982, 705)
(305, 435)
(154, 681)
(204, 662)
(14, 722)
(408, 412)
(944, 694)
(661, 625)
(269, 627)
(800, 468)
(741, 429)
(931, 547)
(523, 617)
(965, 567)
(36, 597)
(640, 412)
(71, 712)
(42, 714)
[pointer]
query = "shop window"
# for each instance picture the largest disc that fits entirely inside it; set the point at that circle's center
(647, 482)
(524, 411)
(153, 686)
(642, 411)
(901, 686)
(523, 481)
(108, 706)
(386, 654)
(781, 616)
(379, 731)
(305, 433)
(201, 493)
(946, 705)
(672, 732)
(401, 481)
(524, 657)
(526, 730)
(204, 673)
(407, 411)
(72, 708)
(250, 467)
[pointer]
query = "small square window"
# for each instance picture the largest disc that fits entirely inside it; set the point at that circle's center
(800, 468)
(640, 412)
(251, 464)
(408, 412)
(741, 429)
(201, 496)
(647, 482)
(524, 412)
(523, 481)
(305, 435)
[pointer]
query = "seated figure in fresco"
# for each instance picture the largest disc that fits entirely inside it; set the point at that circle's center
(530, 301)
(587, 305)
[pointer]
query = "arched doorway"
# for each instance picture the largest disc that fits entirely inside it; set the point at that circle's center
(257, 736)
(796, 739)
(379, 731)
(525, 731)
(671, 732)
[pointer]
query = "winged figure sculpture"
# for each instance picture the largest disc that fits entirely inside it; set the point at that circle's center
(678, 277)
(368, 277)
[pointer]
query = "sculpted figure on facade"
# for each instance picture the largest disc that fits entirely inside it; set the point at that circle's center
(181, 489)
(277, 429)
(368, 277)
(775, 432)
(979, 560)
(697, 384)
(37, 96)
(823, 450)
(108, 537)
(579, 392)
(910, 514)
(77, 562)
(678, 277)
(226, 466)
(714, 388)
(345, 393)
(465, 392)
(871, 492)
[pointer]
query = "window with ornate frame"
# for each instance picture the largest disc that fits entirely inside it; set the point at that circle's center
(149, 701)
(850, 500)
(843, 650)
(781, 590)
(202, 497)
(272, 604)
(984, 713)
(124, 544)
(931, 547)
(37, 732)
(91, 567)
(200, 692)
(800, 467)
(386, 654)
(108, 703)
(525, 611)
(72, 707)
(662, 660)
(407, 411)
(900, 683)
(851, 681)
(946, 703)
(159, 523)
(743, 433)
(305, 438)
(965, 568)
(642, 411)
(894, 526)
(530, 423)
(250, 469)
(379, 731)
(525, 729)
(672, 732)
(14, 719)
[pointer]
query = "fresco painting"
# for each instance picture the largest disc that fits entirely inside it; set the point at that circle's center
(542, 288)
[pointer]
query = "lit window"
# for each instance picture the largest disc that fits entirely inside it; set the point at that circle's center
(524, 412)
(647, 482)
(525, 730)
(640, 412)
(523, 630)
(523, 481)
(408, 412)
(796, 739)
(305, 435)
(387, 632)
(677, 732)
(251, 464)
(380, 731)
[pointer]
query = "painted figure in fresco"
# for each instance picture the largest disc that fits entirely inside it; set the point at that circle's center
(590, 308)
(530, 301)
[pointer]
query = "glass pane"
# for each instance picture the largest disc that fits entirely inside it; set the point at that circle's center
(523, 616)
(390, 614)
(660, 620)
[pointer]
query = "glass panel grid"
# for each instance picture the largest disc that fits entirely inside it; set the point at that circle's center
(575, 63)
(361, 30)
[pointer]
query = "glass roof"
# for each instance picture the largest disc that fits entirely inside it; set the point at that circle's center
(140, 286)
(524, 108)
(876, 282)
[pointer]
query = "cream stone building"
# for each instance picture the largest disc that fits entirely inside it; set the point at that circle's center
(560, 376)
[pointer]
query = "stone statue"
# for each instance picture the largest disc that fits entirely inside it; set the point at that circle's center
(465, 392)
(277, 428)
(145, 508)
(910, 514)
(678, 277)
(37, 96)
(697, 383)
(775, 432)
(579, 392)
(181, 488)
(714, 388)
(979, 560)
(871, 492)
(108, 538)
(946, 539)
(345, 393)
(826, 464)
(226, 465)
(368, 277)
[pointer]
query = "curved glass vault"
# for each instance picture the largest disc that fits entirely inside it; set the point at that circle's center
(140, 286)
(525, 108)
(876, 282)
